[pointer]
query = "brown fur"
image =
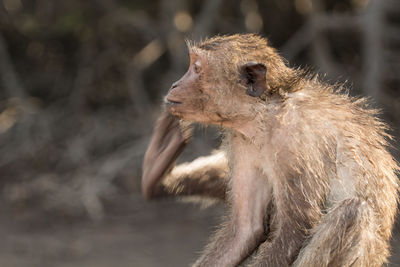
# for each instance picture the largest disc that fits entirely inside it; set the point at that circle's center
(311, 181)
(205, 176)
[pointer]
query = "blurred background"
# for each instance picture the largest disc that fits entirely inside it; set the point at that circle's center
(81, 83)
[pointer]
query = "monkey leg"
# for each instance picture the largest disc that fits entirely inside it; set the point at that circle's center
(280, 248)
(347, 236)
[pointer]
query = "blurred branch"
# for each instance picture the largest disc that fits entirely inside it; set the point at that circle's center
(135, 85)
(322, 56)
(392, 33)
(391, 4)
(84, 76)
(137, 20)
(206, 19)
(98, 176)
(8, 74)
(315, 25)
(373, 26)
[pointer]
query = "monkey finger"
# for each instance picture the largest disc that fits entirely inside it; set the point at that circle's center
(186, 129)
(156, 166)
(163, 126)
(160, 157)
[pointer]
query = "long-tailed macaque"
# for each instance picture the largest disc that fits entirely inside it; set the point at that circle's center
(303, 167)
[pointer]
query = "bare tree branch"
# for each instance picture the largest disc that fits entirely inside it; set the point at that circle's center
(206, 18)
(372, 48)
(8, 74)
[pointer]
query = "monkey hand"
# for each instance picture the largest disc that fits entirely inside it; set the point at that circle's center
(170, 137)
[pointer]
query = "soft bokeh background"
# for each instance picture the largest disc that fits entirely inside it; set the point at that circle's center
(81, 84)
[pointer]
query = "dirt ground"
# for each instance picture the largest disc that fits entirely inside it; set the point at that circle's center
(160, 233)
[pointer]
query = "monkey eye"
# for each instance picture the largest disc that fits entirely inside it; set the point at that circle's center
(197, 67)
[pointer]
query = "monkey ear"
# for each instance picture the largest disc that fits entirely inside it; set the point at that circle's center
(254, 74)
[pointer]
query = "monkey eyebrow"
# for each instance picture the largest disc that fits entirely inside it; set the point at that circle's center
(193, 56)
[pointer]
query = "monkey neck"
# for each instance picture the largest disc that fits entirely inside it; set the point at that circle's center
(251, 131)
(247, 131)
(259, 129)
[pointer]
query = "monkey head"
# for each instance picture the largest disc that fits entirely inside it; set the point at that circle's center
(226, 78)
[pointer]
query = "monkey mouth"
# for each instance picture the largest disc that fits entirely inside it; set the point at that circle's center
(172, 102)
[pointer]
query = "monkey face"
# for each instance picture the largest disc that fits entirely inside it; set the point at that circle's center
(188, 98)
(208, 94)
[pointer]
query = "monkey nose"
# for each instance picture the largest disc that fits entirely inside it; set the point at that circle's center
(174, 85)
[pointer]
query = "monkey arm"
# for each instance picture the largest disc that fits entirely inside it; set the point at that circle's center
(244, 229)
(290, 225)
(167, 143)
(206, 176)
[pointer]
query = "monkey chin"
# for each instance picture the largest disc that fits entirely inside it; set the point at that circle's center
(185, 112)
(174, 107)
(172, 102)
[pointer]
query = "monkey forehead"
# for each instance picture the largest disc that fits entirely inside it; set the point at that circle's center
(197, 53)
(236, 41)
(215, 58)
(233, 49)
